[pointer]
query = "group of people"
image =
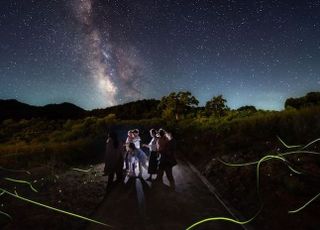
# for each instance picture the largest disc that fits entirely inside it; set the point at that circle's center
(124, 159)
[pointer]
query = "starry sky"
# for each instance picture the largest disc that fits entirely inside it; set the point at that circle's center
(99, 53)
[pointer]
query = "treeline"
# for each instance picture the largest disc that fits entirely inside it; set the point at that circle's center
(185, 105)
(142, 109)
(175, 106)
(201, 132)
(311, 99)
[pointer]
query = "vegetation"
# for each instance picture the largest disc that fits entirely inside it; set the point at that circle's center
(311, 99)
(217, 106)
(142, 109)
(177, 105)
(203, 134)
(217, 129)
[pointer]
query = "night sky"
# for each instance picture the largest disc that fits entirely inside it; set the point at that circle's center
(96, 53)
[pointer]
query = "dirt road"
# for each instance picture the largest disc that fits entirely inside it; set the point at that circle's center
(140, 204)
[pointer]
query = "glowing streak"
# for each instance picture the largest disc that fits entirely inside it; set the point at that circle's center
(224, 219)
(82, 170)
(17, 171)
(52, 208)
(296, 152)
(305, 205)
(269, 157)
(256, 162)
(263, 159)
(294, 170)
(237, 164)
(21, 182)
(288, 146)
(311, 143)
(6, 214)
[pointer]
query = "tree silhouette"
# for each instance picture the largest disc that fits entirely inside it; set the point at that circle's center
(216, 106)
(311, 99)
(247, 108)
(178, 104)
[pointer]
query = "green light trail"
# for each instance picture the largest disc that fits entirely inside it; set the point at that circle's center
(305, 205)
(52, 208)
(21, 182)
(280, 157)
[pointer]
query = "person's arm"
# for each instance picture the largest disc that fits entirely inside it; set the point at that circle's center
(148, 145)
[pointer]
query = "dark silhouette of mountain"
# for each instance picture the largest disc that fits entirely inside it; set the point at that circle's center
(62, 111)
(17, 110)
(13, 109)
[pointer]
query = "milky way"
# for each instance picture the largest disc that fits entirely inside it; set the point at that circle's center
(98, 53)
(115, 70)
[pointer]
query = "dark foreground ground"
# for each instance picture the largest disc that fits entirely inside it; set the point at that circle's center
(136, 204)
(144, 205)
(140, 204)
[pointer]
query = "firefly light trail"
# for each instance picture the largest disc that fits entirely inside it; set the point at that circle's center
(258, 165)
(15, 195)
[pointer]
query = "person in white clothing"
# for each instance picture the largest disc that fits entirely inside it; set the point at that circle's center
(137, 156)
(136, 138)
(128, 156)
(153, 160)
(140, 156)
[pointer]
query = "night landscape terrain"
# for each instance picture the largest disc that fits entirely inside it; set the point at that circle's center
(236, 84)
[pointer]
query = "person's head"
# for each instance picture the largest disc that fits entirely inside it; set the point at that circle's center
(130, 133)
(153, 132)
(162, 132)
(132, 147)
(136, 132)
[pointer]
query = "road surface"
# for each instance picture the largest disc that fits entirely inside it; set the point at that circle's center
(139, 204)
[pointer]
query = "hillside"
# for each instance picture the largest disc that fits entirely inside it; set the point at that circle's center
(142, 109)
(13, 109)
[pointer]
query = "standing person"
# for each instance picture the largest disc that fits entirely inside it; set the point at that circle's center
(153, 160)
(134, 153)
(167, 160)
(136, 138)
(130, 137)
(128, 155)
(113, 159)
(141, 156)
